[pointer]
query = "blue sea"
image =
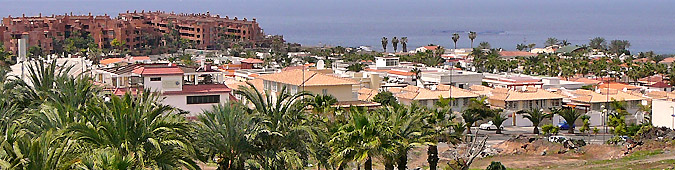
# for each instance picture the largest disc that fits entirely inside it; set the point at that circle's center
(649, 25)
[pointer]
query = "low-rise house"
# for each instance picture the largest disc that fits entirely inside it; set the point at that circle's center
(458, 78)
(592, 103)
(179, 89)
(428, 98)
(663, 113)
(299, 80)
(512, 101)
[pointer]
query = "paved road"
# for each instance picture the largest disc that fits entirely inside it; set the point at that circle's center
(512, 131)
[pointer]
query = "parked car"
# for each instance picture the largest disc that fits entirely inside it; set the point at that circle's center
(489, 126)
(564, 126)
(559, 139)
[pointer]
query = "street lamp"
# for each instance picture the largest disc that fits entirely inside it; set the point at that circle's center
(603, 115)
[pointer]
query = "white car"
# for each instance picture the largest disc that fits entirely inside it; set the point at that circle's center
(489, 126)
(559, 139)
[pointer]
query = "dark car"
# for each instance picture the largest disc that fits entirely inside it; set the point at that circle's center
(564, 126)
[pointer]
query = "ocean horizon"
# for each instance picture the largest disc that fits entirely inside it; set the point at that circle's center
(649, 25)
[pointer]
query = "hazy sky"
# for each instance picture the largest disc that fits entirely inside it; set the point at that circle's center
(648, 24)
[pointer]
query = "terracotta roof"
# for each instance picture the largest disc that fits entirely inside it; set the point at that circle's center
(366, 94)
(252, 60)
(403, 73)
(660, 85)
(201, 89)
(529, 94)
(481, 90)
(123, 91)
(643, 60)
(139, 58)
(587, 96)
(158, 71)
(516, 54)
(661, 95)
(258, 84)
(111, 61)
(617, 86)
(431, 47)
(653, 79)
(586, 81)
(667, 60)
(295, 77)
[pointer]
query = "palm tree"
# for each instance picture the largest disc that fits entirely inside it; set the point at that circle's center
(484, 45)
(436, 125)
(521, 47)
(404, 44)
(139, 127)
(497, 119)
(384, 43)
(598, 43)
(455, 38)
(536, 117)
(394, 42)
(322, 104)
(551, 41)
(416, 74)
(472, 36)
(477, 109)
(359, 140)
(283, 129)
(222, 134)
(570, 116)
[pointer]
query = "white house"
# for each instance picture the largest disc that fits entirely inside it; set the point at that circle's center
(663, 113)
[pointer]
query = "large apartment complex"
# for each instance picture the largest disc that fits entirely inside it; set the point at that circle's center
(134, 28)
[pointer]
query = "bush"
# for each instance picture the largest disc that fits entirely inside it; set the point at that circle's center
(496, 166)
(546, 129)
(615, 140)
(555, 130)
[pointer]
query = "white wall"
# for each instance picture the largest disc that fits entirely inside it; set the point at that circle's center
(167, 83)
(662, 112)
(180, 101)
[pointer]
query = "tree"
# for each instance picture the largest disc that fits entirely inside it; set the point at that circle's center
(384, 43)
(321, 103)
(437, 124)
(536, 117)
(222, 135)
(472, 36)
(551, 41)
(495, 166)
(356, 67)
(385, 98)
(118, 44)
(570, 116)
(497, 119)
(394, 43)
(521, 47)
(358, 140)
(6, 57)
(484, 45)
(35, 52)
(619, 46)
(140, 127)
(417, 73)
(598, 43)
(404, 44)
(283, 134)
(455, 38)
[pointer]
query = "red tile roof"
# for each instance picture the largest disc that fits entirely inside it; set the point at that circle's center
(660, 85)
(667, 60)
(516, 54)
(111, 60)
(158, 71)
(252, 60)
(202, 88)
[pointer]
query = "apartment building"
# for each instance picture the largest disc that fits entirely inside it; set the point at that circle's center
(425, 97)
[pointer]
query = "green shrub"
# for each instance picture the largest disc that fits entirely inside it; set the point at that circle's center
(496, 166)
(546, 129)
(555, 130)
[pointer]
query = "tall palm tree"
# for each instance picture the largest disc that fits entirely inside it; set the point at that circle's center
(417, 73)
(551, 41)
(536, 117)
(406, 126)
(472, 36)
(570, 116)
(497, 119)
(140, 127)
(322, 104)
(439, 121)
(222, 134)
(384, 43)
(455, 38)
(404, 44)
(477, 109)
(359, 140)
(283, 129)
(394, 43)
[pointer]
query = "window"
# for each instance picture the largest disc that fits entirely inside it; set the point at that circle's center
(155, 79)
(203, 99)
(324, 91)
(274, 86)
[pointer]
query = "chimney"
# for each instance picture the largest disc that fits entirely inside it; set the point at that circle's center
(24, 15)
(40, 15)
(71, 13)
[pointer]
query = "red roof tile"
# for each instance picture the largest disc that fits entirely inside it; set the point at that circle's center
(158, 71)
(252, 60)
(516, 54)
